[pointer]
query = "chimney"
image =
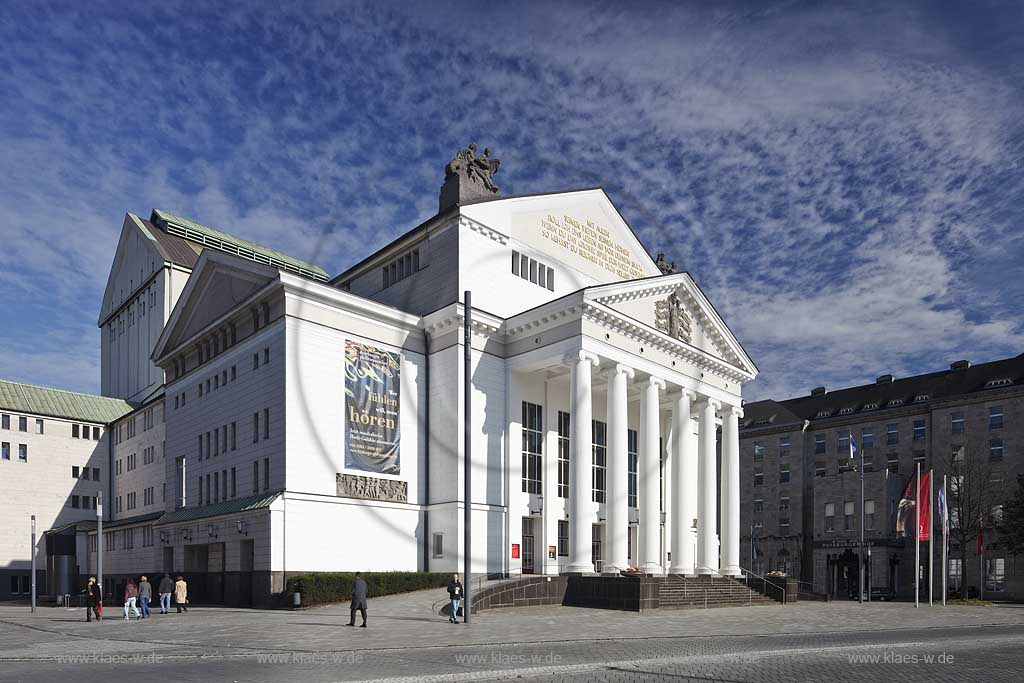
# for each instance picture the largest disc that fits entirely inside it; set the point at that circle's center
(960, 365)
(884, 379)
(818, 391)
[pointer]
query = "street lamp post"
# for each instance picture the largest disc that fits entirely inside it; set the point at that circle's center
(860, 555)
(33, 551)
(99, 543)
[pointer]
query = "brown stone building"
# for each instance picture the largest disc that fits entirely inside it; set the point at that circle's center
(801, 505)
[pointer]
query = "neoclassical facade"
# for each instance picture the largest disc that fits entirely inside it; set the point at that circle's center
(310, 423)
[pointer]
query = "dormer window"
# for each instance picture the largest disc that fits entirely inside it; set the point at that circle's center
(533, 270)
(401, 268)
(870, 406)
(846, 411)
(896, 402)
(920, 397)
(823, 413)
(1003, 382)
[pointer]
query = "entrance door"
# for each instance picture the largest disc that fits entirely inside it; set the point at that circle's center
(528, 545)
(596, 550)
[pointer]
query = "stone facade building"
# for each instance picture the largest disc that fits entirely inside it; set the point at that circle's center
(801, 493)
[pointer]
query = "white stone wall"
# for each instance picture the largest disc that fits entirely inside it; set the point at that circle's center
(43, 485)
(143, 475)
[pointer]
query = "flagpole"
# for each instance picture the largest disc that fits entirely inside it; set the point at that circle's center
(917, 538)
(945, 525)
(931, 534)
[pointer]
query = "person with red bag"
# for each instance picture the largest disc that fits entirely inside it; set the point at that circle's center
(93, 600)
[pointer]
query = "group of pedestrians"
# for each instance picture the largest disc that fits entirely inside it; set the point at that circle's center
(137, 597)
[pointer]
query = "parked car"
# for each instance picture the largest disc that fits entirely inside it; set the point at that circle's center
(883, 593)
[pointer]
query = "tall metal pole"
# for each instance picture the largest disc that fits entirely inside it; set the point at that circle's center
(860, 555)
(467, 451)
(99, 543)
(931, 534)
(945, 526)
(33, 551)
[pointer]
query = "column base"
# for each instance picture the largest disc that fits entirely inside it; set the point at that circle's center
(610, 570)
(732, 571)
(652, 568)
(685, 571)
(707, 571)
(580, 568)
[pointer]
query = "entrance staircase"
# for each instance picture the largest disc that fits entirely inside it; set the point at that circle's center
(679, 592)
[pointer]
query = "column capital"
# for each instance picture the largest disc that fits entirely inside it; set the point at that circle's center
(682, 393)
(580, 354)
(730, 410)
(620, 368)
(707, 401)
(656, 382)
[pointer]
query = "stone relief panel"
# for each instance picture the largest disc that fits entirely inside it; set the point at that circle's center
(372, 488)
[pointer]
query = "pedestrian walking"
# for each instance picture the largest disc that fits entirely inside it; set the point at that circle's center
(145, 595)
(181, 595)
(92, 600)
(359, 591)
(455, 593)
(166, 588)
(131, 594)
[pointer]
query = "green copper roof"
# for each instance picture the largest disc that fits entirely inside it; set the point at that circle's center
(222, 241)
(33, 400)
(227, 507)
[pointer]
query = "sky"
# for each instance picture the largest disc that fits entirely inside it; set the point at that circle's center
(844, 180)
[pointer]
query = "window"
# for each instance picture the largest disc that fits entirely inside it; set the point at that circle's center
(5, 451)
(208, 449)
(819, 443)
(995, 449)
(401, 268)
(956, 422)
(5, 421)
(95, 433)
(209, 494)
(533, 442)
(438, 544)
(758, 505)
(919, 430)
(784, 504)
(255, 361)
(563, 538)
(848, 516)
(234, 432)
(108, 541)
(995, 574)
(74, 502)
(633, 459)
(758, 451)
(234, 373)
(869, 515)
(39, 426)
(784, 446)
(919, 457)
(783, 525)
(867, 438)
(216, 487)
(234, 490)
(955, 573)
(147, 535)
(74, 471)
(599, 438)
(255, 427)
(23, 452)
(200, 389)
(256, 477)
(830, 515)
(266, 474)
(266, 355)
(22, 424)
(893, 465)
(843, 443)
(995, 417)
(892, 434)
(266, 423)
(784, 473)
(533, 270)
(758, 478)
(958, 453)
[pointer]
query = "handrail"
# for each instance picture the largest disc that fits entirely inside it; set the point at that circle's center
(764, 579)
(686, 588)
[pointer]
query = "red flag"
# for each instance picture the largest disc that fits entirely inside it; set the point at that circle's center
(981, 541)
(924, 515)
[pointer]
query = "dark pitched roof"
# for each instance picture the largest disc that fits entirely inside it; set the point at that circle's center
(225, 508)
(44, 401)
(868, 398)
(768, 413)
(174, 249)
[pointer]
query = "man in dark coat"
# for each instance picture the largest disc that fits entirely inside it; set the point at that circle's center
(455, 593)
(359, 590)
(92, 600)
(165, 590)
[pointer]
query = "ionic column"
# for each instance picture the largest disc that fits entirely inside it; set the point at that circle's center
(730, 526)
(707, 503)
(616, 502)
(684, 471)
(649, 533)
(581, 509)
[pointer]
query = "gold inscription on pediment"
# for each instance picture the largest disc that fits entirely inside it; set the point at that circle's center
(592, 242)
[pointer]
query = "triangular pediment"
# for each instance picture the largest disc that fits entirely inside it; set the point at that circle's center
(218, 285)
(675, 306)
(580, 228)
(135, 259)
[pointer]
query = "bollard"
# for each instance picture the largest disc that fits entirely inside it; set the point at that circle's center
(296, 600)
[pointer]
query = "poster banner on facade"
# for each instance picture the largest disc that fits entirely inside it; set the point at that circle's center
(372, 434)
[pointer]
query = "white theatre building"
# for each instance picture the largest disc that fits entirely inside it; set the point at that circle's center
(300, 423)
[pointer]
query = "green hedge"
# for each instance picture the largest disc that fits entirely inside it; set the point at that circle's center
(326, 587)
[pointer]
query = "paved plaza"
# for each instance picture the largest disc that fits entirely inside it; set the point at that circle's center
(406, 641)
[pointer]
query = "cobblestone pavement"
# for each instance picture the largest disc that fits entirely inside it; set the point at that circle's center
(406, 641)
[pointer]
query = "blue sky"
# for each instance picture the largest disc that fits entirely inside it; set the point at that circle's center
(845, 181)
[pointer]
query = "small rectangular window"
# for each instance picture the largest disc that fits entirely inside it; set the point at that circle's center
(39, 426)
(74, 472)
(22, 424)
(266, 423)
(551, 278)
(74, 431)
(256, 477)
(255, 427)
(956, 422)
(266, 474)
(563, 538)
(5, 451)
(5, 421)
(23, 452)
(255, 361)
(995, 417)
(438, 545)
